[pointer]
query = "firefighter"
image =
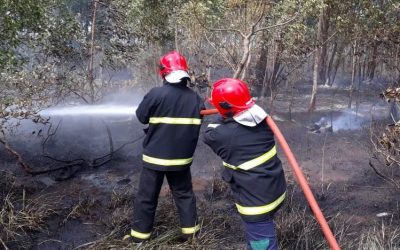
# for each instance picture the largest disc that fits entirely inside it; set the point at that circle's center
(251, 166)
(173, 114)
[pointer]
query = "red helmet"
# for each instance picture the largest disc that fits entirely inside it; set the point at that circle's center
(173, 67)
(231, 96)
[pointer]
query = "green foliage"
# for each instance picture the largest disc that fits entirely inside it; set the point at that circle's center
(45, 52)
(64, 37)
(19, 20)
(152, 20)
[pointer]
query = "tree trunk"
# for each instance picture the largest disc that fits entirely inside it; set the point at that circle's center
(245, 56)
(291, 100)
(176, 36)
(339, 58)
(91, 61)
(276, 67)
(246, 67)
(209, 76)
(271, 67)
(359, 85)
(353, 73)
(265, 77)
(372, 61)
(311, 107)
(323, 26)
(330, 65)
(396, 61)
(317, 63)
(364, 66)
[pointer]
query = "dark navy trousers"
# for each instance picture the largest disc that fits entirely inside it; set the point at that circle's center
(261, 235)
(180, 183)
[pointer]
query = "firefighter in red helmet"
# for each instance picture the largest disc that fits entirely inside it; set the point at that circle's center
(252, 168)
(173, 115)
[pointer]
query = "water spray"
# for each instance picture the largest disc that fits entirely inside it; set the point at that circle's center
(91, 110)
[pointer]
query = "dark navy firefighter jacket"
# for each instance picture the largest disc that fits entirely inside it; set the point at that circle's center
(173, 114)
(252, 167)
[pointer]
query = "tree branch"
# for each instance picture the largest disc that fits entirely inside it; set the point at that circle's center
(231, 65)
(50, 134)
(259, 18)
(215, 29)
(275, 25)
(383, 176)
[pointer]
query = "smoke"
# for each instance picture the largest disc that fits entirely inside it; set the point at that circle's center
(353, 119)
(348, 120)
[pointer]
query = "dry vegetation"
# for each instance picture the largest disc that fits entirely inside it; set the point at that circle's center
(20, 215)
(386, 143)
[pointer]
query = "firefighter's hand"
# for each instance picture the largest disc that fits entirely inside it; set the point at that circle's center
(145, 130)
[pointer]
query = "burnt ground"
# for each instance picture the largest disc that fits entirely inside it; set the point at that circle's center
(92, 209)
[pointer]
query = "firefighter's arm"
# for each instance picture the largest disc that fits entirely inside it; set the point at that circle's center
(201, 104)
(212, 137)
(144, 110)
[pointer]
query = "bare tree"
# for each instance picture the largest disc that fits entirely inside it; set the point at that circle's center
(248, 34)
(318, 59)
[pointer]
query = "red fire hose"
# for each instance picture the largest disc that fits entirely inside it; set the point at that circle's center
(302, 181)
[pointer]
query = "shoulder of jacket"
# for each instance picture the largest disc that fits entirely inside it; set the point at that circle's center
(220, 128)
(156, 91)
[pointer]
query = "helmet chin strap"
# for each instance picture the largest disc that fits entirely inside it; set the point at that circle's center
(225, 105)
(229, 114)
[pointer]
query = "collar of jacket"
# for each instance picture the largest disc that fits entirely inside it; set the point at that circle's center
(183, 82)
(228, 120)
(251, 117)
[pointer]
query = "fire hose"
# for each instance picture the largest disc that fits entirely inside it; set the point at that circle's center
(301, 180)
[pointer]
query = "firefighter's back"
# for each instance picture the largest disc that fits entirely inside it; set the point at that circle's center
(173, 114)
(252, 166)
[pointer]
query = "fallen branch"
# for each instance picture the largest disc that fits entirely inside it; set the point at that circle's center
(95, 163)
(80, 163)
(383, 176)
(27, 168)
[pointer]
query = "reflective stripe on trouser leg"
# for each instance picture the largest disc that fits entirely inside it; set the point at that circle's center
(142, 236)
(145, 204)
(257, 210)
(180, 183)
(190, 230)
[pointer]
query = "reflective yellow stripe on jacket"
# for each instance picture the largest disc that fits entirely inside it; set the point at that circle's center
(255, 162)
(190, 230)
(143, 236)
(261, 209)
(167, 162)
(175, 120)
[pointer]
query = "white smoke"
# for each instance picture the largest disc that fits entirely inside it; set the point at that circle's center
(348, 120)
(352, 119)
